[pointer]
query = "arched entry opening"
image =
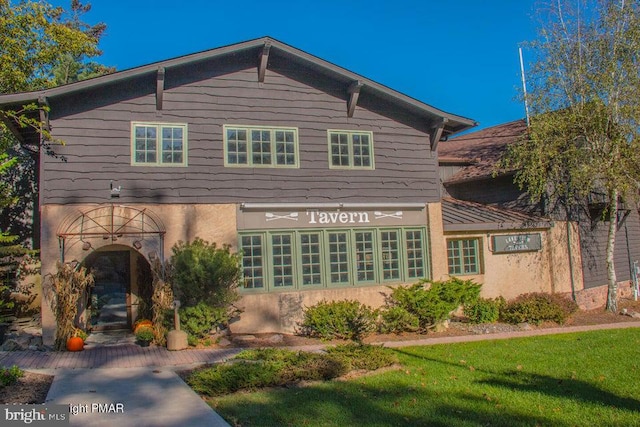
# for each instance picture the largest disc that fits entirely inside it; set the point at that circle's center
(118, 244)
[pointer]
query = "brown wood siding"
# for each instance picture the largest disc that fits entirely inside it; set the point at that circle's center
(97, 144)
(593, 244)
(594, 240)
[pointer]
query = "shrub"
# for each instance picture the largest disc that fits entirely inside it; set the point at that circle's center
(434, 304)
(202, 272)
(484, 310)
(349, 320)
(537, 308)
(398, 319)
(364, 356)
(9, 376)
(145, 333)
(278, 367)
(198, 321)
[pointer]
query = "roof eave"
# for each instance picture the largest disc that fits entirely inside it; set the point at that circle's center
(496, 226)
(454, 123)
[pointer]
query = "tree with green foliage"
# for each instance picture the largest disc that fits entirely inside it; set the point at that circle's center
(36, 41)
(35, 37)
(584, 99)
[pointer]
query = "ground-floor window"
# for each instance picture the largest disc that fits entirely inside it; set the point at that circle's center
(311, 258)
(463, 256)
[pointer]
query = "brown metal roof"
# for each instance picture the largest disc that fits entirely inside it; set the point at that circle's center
(482, 149)
(459, 215)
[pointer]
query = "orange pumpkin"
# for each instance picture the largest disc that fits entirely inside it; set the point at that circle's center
(75, 344)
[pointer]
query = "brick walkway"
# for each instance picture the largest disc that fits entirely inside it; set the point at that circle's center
(119, 356)
(134, 356)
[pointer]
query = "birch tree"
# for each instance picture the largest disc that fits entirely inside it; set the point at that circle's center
(585, 105)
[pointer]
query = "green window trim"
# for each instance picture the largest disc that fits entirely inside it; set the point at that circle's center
(159, 144)
(464, 256)
(350, 149)
(301, 259)
(260, 146)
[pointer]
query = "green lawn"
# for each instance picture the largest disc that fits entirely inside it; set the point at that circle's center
(584, 379)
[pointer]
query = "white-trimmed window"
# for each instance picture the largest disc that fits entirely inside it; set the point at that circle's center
(260, 146)
(350, 149)
(158, 144)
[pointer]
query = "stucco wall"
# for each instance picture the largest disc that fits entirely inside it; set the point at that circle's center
(214, 223)
(281, 312)
(513, 274)
(508, 275)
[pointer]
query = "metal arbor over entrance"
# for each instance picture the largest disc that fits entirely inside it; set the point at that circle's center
(107, 224)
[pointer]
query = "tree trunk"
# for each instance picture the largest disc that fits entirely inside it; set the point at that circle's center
(612, 295)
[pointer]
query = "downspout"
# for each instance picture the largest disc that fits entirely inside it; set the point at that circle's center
(632, 273)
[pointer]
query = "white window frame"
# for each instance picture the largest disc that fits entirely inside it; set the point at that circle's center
(159, 149)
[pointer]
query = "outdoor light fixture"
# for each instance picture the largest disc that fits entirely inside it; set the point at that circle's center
(86, 246)
(115, 191)
(137, 244)
(153, 255)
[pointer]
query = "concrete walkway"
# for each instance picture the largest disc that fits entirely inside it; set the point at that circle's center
(130, 397)
(138, 386)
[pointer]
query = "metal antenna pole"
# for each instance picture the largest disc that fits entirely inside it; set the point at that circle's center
(524, 86)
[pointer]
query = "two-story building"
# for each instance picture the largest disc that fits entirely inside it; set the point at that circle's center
(326, 181)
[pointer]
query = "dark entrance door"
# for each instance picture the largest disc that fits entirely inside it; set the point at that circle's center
(108, 303)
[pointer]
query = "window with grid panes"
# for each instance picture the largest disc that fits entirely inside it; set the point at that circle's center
(338, 257)
(462, 256)
(415, 254)
(306, 258)
(310, 262)
(350, 149)
(252, 261)
(365, 265)
(390, 255)
(260, 146)
(282, 254)
(158, 144)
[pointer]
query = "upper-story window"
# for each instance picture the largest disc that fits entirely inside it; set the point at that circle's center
(260, 146)
(158, 144)
(350, 149)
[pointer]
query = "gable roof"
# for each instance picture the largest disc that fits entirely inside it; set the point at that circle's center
(460, 215)
(273, 50)
(478, 152)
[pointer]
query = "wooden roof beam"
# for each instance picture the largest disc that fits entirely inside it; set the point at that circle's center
(43, 102)
(354, 92)
(159, 88)
(263, 60)
(436, 133)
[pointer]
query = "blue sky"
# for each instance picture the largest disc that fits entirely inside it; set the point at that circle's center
(460, 55)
